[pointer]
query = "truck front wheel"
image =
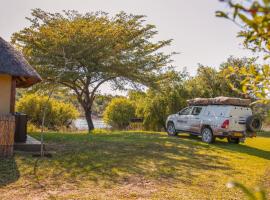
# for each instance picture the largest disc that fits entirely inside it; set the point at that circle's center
(171, 129)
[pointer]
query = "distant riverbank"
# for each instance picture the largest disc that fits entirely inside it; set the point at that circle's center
(81, 124)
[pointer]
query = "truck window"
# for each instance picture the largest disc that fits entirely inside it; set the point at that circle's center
(185, 111)
(196, 110)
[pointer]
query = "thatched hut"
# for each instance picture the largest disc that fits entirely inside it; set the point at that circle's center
(15, 72)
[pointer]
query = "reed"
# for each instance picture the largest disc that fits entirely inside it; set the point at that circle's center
(7, 131)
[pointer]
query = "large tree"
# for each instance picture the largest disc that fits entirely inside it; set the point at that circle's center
(209, 82)
(83, 51)
(236, 80)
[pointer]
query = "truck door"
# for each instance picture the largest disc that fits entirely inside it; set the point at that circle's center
(182, 119)
(194, 120)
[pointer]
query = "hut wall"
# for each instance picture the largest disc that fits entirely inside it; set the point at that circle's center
(5, 93)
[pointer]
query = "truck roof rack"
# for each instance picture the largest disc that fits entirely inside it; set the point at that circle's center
(219, 101)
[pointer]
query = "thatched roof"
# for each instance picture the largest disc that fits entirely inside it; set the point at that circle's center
(13, 63)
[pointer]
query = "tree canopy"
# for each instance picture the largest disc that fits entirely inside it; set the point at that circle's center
(83, 51)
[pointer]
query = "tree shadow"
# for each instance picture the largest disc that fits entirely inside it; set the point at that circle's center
(238, 148)
(9, 172)
(116, 160)
(264, 134)
(244, 149)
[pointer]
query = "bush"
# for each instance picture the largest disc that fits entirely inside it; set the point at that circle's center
(58, 113)
(155, 106)
(119, 112)
(32, 128)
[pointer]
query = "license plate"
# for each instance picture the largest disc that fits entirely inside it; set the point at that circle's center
(237, 134)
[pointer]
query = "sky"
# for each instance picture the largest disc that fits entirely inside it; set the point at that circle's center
(198, 36)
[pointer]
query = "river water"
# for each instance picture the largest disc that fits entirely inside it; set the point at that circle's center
(81, 124)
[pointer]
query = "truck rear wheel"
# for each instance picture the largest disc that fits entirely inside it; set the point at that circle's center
(254, 123)
(207, 135)
(171, 129)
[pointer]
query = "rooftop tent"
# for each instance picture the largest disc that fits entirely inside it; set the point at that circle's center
(219, 101)
(14, 64)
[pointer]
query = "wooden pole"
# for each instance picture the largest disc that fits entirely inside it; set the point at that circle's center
(13, 95)
(43, 123)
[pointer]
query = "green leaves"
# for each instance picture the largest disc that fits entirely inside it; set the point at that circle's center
(58, 113)
(93, 46)
(83, 51)
(254, 19)
(119, 113)
(255, 80)
(247, 21)
(221, 14)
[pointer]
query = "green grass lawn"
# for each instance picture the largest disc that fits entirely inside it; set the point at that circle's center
(136, 165)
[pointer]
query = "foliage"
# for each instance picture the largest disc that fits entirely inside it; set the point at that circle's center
(236, 80)
(256, 81)
(159, 105)
(138, 100)
(209, 82)
(32, 128)
(100, 103)
(83, 51)
(250, 194)
(119, 112)
(155, 105)
(58, 113)
(155, 112)
(254, 19)
(237, 62)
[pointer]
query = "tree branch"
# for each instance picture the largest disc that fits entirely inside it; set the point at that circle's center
(97, 86)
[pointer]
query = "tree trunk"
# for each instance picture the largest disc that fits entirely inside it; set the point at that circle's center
(89, 120)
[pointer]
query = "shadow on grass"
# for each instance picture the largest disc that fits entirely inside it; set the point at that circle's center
(117, 158)
(237, 148)
(264, 134)
(9, 172)
(252, 151)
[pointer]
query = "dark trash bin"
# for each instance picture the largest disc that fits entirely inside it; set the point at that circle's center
(21, 127)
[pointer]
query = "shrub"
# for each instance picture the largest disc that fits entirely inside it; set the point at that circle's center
(58, 113)
(119, 112)
(32, 128)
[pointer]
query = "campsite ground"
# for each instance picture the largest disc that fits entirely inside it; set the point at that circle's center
(135, 165)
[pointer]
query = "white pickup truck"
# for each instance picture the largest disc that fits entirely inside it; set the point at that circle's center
(215, 121)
